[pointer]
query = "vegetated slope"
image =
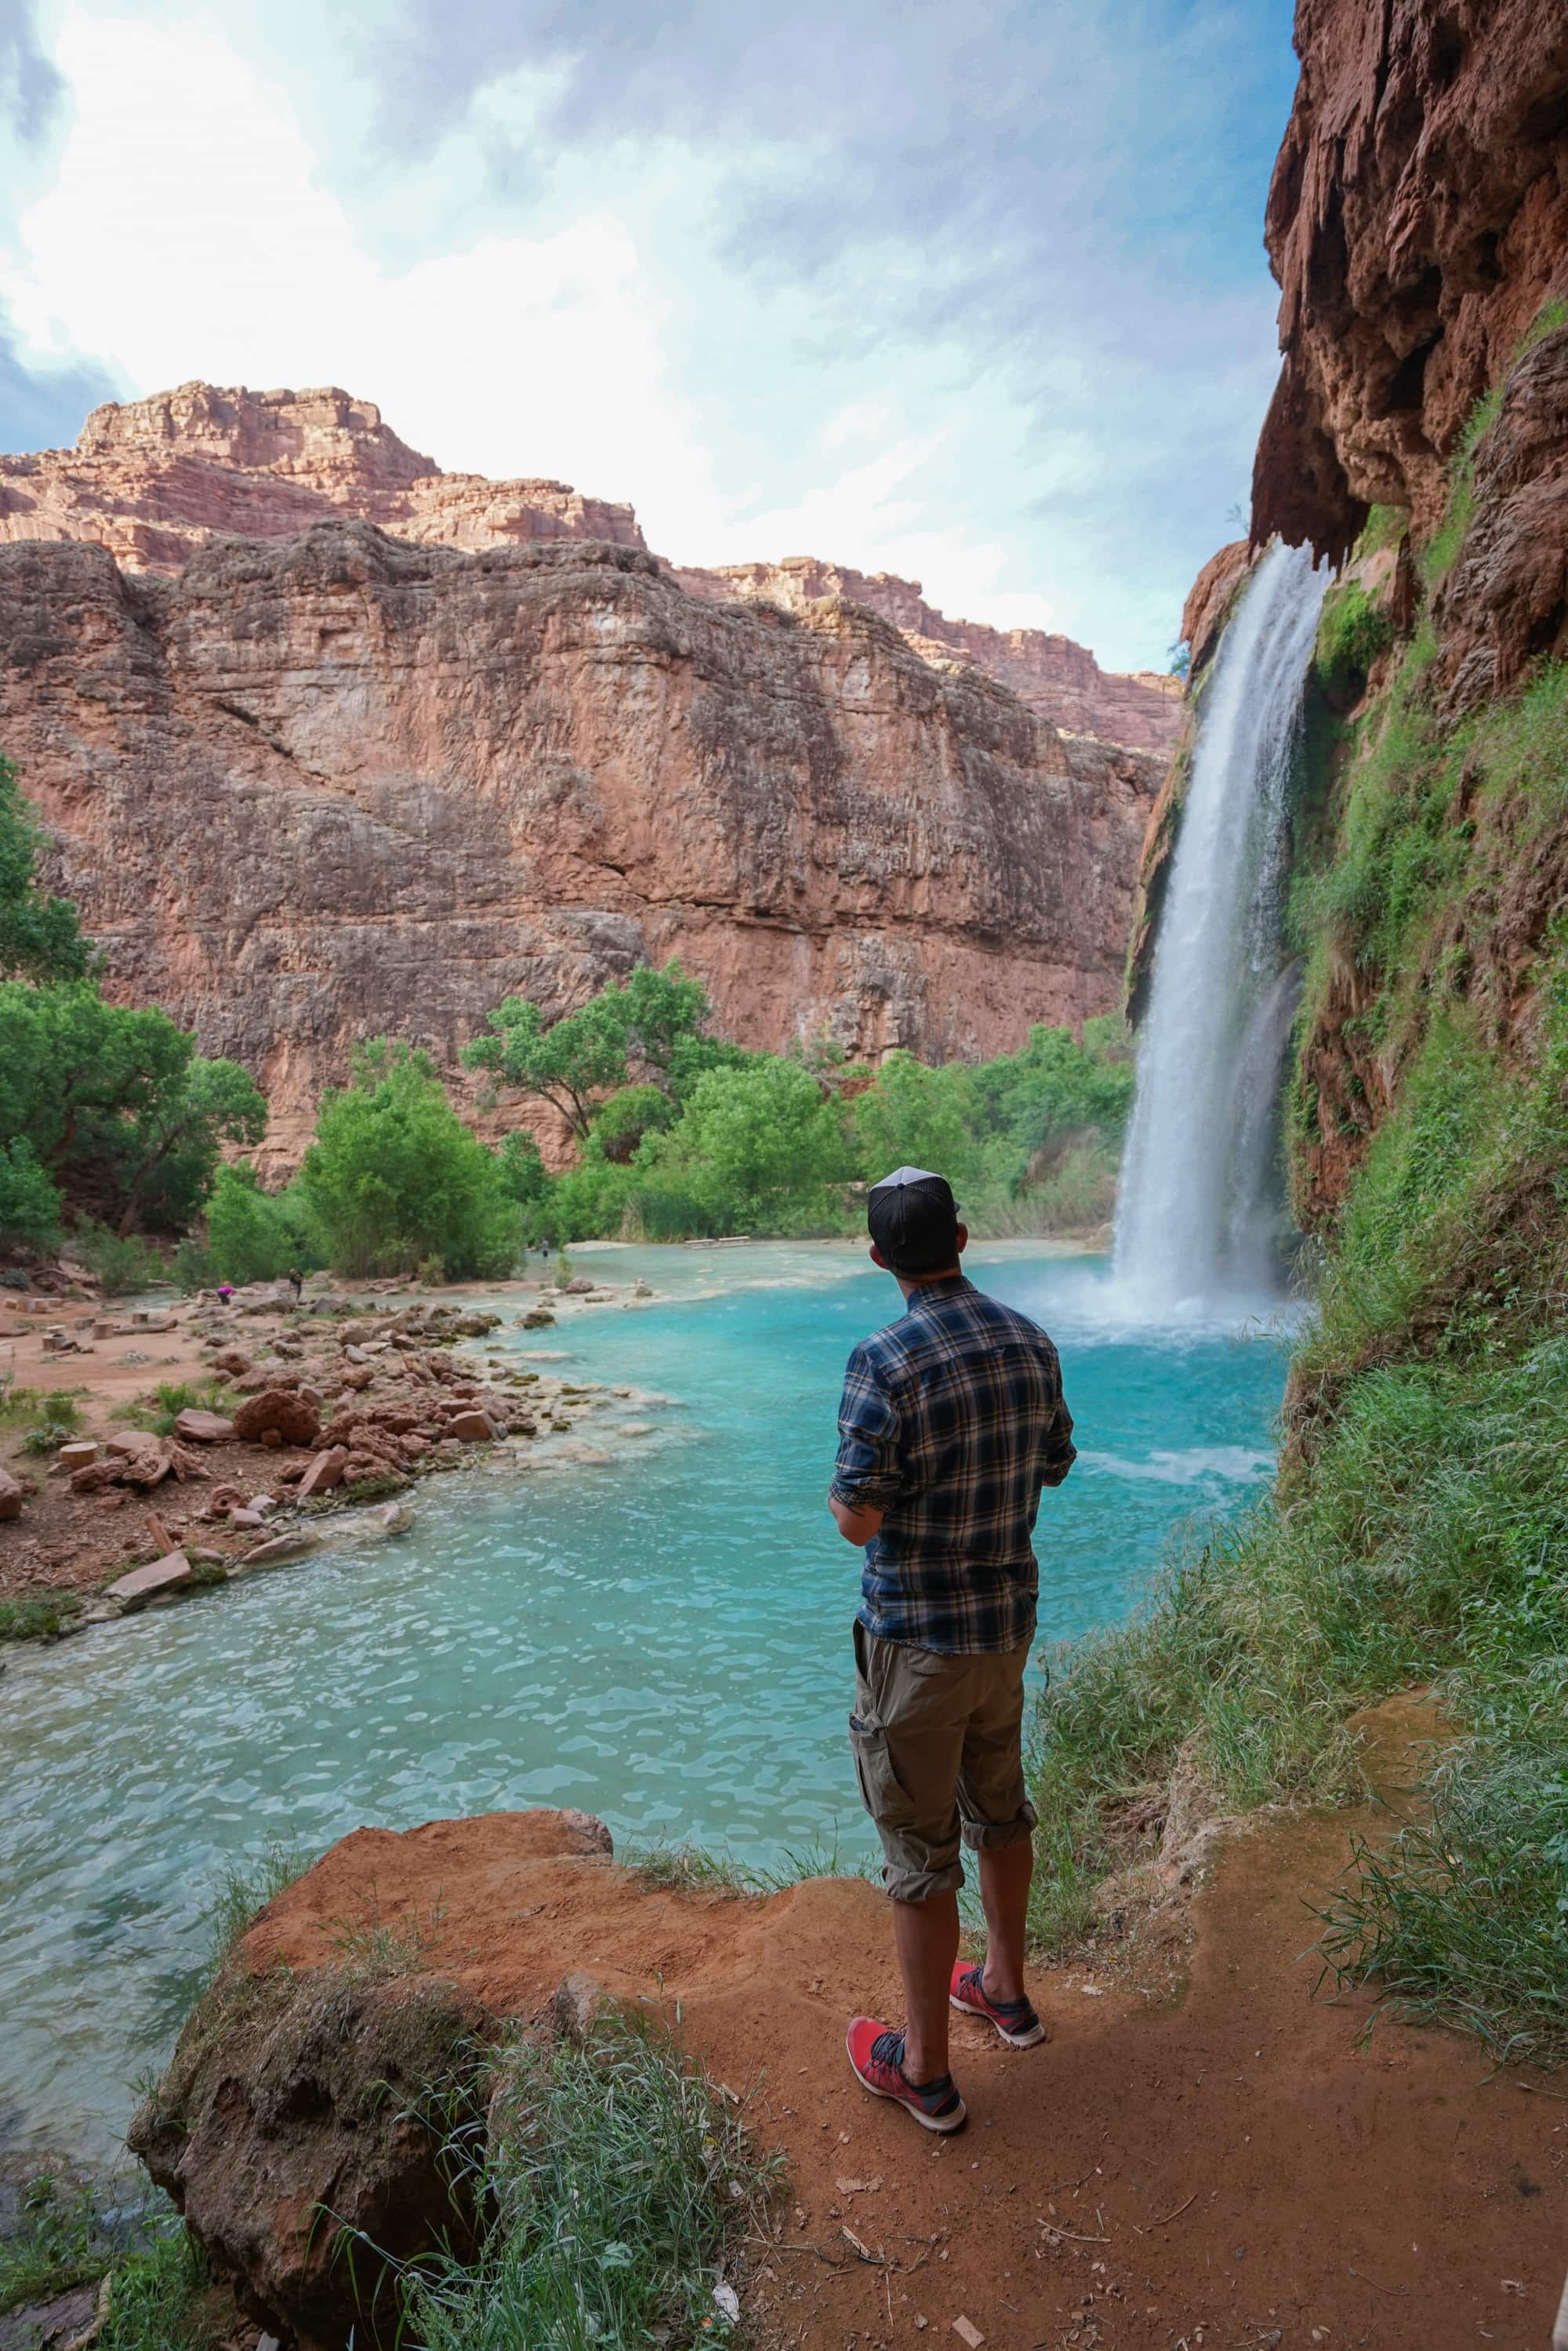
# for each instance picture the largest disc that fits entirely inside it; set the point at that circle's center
(1419, 1530)
(154, 480)
(329, 788)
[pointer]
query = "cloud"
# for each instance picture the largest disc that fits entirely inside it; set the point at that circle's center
(974, 294)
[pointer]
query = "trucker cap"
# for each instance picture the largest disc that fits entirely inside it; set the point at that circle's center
(914, 1219)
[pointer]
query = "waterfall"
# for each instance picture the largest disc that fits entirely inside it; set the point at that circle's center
(1197, 1221)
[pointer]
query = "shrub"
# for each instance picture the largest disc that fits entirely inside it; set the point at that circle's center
(29, 1203)
(393, 1177)
(119, 1266)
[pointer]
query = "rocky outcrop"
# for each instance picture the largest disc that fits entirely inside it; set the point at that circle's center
(154, 480)
(1061, 680)
(1416, 223)
(335, 787)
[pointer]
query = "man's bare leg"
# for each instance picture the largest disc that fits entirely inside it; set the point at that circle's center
(1005, 1873)
(926, 1934)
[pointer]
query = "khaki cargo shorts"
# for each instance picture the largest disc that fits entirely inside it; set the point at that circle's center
(937, 1743)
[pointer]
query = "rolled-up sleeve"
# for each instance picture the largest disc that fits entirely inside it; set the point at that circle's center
(868, 1473)
(1059, 1452)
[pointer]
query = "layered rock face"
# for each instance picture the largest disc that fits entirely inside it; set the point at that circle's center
(333, 786)
(155, 479)
(1061, 680)
(1416, 222)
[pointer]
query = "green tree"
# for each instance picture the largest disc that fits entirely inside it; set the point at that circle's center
(914, 1115)
(253, 1235)
(120, 1109)
(29, 1203)
(759, 1143)
(647, 1024)
(39, 935)
(394, 1176)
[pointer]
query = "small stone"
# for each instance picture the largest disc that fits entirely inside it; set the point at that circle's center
(10, 1496)
(168, 1575)
(968, 2332)
(78, 1456)
(473, 1429)
(204, 1427)
(297, 1545)
(325, 1472)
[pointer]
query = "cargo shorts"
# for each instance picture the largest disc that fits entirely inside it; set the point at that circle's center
(937, 1749)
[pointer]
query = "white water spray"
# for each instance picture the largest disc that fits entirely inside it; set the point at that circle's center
(1197, 1221)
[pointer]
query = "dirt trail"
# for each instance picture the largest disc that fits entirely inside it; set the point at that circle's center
(1234, 2169)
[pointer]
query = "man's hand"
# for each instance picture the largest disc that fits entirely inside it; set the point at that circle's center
(856, 1526)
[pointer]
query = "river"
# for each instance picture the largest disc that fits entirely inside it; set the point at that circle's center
(651, 1624)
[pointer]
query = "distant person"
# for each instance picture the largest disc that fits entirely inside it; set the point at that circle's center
(226, 1291)
(951, 1420)
(295, 1283)
(544, 1248)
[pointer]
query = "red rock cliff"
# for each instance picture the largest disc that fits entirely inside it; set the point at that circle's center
(155, 479)
(1416, 222)
(317, 790)
(1060, 679)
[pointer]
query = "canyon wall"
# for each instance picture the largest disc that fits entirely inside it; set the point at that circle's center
(153, 480)
(1060, 679)
(319, 789)
(1418, 226)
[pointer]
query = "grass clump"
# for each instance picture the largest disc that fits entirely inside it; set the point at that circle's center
(158, 2295)
(42, 1618)
(159, 1411)
(1351, 633)
(59, 2245)
(693, 1871)
(18, 1405)
(621, 2184)
(243, 1892)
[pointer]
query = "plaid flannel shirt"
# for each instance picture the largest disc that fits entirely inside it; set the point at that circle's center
(951, 1420)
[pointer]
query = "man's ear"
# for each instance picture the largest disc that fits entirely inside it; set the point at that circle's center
(963, 1238)
(877, 1259)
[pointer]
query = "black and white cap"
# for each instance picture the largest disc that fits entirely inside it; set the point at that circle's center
(912, 1218)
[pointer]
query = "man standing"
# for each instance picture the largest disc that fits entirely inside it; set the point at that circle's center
(951, 1420)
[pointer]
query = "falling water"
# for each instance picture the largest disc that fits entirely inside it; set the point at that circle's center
(1198, 1217)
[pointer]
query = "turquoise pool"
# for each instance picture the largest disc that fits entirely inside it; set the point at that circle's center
(652, 1625)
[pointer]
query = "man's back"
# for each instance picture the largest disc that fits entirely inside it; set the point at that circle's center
(951, 1420)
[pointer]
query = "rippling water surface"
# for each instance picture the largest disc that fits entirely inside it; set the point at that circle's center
(654, 1626)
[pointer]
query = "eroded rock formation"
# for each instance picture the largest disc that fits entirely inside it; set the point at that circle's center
(323, 788)
(1417, 220)
(1061, 680)
(153, 480)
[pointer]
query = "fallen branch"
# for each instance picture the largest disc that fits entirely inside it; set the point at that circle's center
(1165, 2216)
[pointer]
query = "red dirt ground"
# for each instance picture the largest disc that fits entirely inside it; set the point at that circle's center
(1232, 2169)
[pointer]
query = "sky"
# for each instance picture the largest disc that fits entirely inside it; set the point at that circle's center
(974, 293)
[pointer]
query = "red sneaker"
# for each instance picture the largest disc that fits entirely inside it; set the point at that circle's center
(876, 2059)
(1014, 2020)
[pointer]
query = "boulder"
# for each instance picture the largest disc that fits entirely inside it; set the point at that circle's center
(234, 1360)
(293, 2097)
(280, 1413)
(171, 1574)
(325, 1472)
(11, 1496)
(204, 1427)
(298, 1544)
(473, 1428)
(539, 1319)
(579, 1285)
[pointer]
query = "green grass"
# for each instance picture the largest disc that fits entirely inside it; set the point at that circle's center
(41, 1619)
(59, 2244)
(19, 1406)
(159, 1411)
(1351, 633)
(693, 1871)
(621, 2184)
(156, 2295)
(243, 1891)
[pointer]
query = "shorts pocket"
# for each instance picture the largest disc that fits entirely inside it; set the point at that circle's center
(882, 1791)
